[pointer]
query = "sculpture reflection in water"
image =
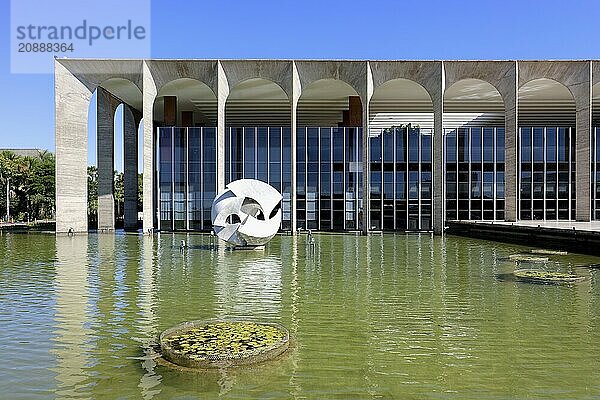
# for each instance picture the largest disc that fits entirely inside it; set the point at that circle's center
(247, 213)
(248, 284)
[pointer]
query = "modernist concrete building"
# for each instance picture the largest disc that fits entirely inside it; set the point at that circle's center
(352, 145)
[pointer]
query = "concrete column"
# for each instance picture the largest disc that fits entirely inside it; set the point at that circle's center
(296, 92)
(223, 93)
(149, 150)
(106, 104)
(511, 131)
(130, 168)
(583, 123)
(366, 195)
(72, 100)
(439, 170)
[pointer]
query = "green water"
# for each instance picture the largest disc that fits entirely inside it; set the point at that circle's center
(379, 317)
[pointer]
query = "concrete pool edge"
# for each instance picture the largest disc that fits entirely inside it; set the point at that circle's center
(569, 236)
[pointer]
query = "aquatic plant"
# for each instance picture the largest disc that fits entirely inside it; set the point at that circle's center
(546, 277)
(525, 257)
(549, 252)
(219, 343)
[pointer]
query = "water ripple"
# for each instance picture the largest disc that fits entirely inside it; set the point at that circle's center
(387, 316)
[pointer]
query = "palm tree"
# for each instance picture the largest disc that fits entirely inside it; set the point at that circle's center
(9, 169)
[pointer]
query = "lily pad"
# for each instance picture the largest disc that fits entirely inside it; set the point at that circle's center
(217, 344)
(527, 258)
(549, 252)
(546, 277)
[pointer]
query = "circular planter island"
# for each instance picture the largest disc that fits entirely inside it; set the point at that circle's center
(219, 344)
(546, 277)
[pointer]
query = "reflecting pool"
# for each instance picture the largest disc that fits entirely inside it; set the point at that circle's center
(389, 316)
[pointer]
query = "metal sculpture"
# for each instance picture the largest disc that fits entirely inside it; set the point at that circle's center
(247, 213)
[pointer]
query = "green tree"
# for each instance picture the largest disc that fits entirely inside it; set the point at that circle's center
(119, 193)
(42, 181)
(31, 185)
(140, 202)
(92, 175)
(10, 174)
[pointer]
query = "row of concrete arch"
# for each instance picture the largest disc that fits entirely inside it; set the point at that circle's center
(141, 83)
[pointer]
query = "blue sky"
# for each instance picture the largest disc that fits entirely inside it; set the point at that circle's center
(323, 29)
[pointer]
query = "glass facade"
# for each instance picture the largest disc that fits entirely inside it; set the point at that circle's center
(262, 153)
(187, 177)
(546, 173)
(329, 176)
(474, 173)
(401, 178)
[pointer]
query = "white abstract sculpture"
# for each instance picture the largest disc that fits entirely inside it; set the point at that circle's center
(247, 213)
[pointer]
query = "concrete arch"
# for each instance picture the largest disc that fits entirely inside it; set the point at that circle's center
(502, 75)
(472, 88)
(400, 101)
(402, 85)
(276, 71)
(94, 74)
(474, 85)
(473, 101)
(543, 84)
(131, 121)
(427, 74)
(397, 102)
(323, 102)
(430, 76)
(575, 75)
(257, 101)
(353, 73)
(241, 85)
(110, 94)
(124, 90)
(163, 72)
(192, 96)
(548, 101)
(178, 84)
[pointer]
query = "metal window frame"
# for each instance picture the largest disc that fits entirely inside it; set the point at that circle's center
(202, 186)
(172, 178)
(394, 177)
(569, 160)
(571, 211)
(187, 178)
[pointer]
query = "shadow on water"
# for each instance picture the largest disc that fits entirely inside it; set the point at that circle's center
(506, 277)
(588, 266)
(510, 277)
